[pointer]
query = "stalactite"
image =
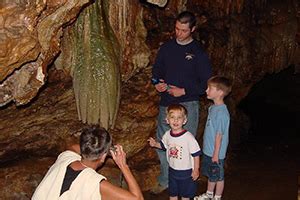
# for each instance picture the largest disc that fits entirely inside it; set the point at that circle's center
(96, 67)
(126, 21)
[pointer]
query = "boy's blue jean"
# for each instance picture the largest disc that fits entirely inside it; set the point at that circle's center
(162, 126)
(207, 169)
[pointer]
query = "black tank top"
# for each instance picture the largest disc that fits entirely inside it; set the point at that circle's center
(70, 176)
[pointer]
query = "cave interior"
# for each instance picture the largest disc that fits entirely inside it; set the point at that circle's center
(65, 64)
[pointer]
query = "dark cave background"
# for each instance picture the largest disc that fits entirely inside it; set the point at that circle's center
(273, 106)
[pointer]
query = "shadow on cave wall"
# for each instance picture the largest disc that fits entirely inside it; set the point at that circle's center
(273, 106)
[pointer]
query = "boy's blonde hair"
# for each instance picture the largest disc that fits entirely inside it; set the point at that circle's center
(176, 107)
(221, 83)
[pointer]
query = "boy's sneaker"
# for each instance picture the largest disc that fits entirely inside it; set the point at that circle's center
(158, 189)
(203, 197)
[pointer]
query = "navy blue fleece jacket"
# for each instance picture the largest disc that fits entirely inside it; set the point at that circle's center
(185, 66)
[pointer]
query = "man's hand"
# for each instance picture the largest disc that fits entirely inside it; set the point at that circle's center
(176, 91)
(161, 86)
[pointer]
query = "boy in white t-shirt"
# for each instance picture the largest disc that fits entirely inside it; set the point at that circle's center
(183, 154)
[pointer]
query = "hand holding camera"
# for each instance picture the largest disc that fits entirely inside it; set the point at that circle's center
(160, 84)
(118, 155)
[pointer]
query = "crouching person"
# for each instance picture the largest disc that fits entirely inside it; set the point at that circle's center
(73, 175)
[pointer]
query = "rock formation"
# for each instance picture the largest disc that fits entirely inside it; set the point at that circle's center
(38, 94)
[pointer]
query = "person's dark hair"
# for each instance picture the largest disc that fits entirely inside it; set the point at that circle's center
(94, 141)
(187, 17)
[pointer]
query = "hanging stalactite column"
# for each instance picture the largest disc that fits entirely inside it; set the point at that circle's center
(95, 63)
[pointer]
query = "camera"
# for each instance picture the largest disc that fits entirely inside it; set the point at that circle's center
(113, 148)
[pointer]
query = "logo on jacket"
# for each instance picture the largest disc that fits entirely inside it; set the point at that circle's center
(189, 56)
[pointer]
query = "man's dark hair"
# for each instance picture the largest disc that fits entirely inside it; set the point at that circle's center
(187, 17)
(94, 141)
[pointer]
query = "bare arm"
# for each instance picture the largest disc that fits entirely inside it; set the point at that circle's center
(218, 141)
(153, 143)
(196, 170)
(109, 191)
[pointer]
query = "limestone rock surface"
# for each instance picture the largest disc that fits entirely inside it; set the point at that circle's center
(245, 40)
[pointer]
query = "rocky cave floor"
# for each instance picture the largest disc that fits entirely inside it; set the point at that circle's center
(261, 169)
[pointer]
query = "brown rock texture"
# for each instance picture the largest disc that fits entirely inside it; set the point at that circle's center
(245, 40)
(30, 39)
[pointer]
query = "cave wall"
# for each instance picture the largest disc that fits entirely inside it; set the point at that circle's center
(245, 40)
(30, 40)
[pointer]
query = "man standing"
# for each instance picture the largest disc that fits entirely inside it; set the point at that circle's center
(180, 75)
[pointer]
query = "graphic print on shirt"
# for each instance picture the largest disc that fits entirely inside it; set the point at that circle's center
(175, 151)
(189, 56)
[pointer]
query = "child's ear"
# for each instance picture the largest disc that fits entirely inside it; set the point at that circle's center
(167, 121)
(221, 93)
(185, 121)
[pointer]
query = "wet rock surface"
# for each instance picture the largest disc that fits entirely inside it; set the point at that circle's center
(244, 40)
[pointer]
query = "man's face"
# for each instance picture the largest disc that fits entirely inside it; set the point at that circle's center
(183, 32)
